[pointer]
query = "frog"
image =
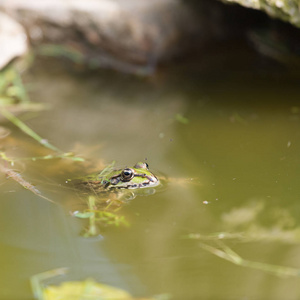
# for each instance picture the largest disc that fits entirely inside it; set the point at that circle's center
(109, 190)
(110, 179)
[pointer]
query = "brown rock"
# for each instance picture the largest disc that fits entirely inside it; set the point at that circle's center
(130, 35)
(13, 40)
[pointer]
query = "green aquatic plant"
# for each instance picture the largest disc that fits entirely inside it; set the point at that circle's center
(4, 157)
(11, 87)
(97, 217)
(14, 98)
(87, 289)
(245, 225)
(223, 251)
(228, 254)
(22, 126)
(13, 94)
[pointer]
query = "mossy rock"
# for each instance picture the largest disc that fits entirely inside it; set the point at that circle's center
(286, 10)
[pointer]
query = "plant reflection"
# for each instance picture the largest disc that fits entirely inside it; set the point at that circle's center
(253, 223)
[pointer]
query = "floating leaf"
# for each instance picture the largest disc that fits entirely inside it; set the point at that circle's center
(88, 289)
(79, 290)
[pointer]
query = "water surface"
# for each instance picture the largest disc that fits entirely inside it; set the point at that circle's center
(224, 129)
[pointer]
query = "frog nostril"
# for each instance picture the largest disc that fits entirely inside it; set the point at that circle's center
(114, 181)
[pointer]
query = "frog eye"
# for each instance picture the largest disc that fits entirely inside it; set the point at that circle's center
(127, 174)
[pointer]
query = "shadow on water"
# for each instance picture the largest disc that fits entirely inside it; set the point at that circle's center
(226, 134)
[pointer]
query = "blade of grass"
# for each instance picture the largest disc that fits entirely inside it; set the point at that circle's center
(4, 157)
(50, 156)
(17, 81)
(17, 122)
(22, 126)
(228, 254)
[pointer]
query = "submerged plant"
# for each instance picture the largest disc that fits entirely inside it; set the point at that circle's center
(98, 217)
(244, 227)
(228, 254)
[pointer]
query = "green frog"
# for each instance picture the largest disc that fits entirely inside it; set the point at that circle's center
(111, 179)
(113, 188)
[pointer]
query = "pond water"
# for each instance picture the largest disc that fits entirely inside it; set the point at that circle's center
(223, 129)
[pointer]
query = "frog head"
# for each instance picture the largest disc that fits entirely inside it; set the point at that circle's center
(136, 177)
(111, 179)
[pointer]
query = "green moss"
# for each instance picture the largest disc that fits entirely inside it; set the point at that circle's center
(286, 10)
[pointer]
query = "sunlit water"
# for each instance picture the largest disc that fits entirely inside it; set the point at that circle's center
(224, 130)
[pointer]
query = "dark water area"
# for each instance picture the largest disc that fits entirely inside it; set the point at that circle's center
(224, 129)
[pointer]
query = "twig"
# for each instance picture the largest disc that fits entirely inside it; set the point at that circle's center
(19, 179)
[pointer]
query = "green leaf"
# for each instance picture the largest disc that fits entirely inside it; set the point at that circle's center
(83, 215)
(181, 119)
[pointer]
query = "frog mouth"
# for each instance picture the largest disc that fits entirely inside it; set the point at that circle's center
(151, 183)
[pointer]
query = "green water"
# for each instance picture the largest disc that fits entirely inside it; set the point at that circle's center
(233, 168)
